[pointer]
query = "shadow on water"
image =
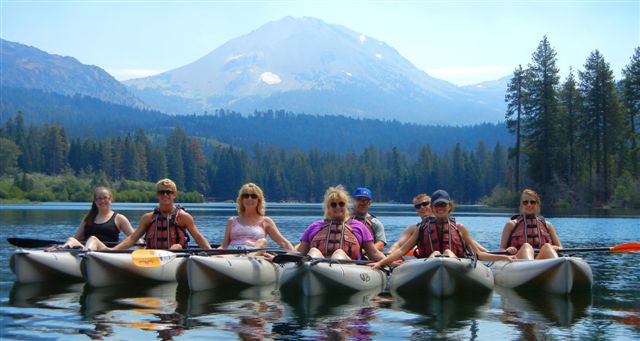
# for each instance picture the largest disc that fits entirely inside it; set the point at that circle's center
(447, 313)
(530, 307)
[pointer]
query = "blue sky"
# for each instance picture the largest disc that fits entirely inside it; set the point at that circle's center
(464, 42)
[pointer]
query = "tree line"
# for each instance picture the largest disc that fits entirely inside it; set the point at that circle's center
(577, 140)
(284, 175)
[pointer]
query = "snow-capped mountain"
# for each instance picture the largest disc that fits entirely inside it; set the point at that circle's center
(306, 65)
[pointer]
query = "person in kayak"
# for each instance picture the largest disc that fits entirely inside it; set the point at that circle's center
(529, 230)
(422, 204)
(168, 226)
(100, 225)
(251, 226)
(338, 236)
(362, 198)
(440, 235)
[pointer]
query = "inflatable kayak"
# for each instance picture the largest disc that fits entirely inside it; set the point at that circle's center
(39, 266)
(561, 275)
(104, 269)
(311, 278)
(440, 277)
(205, 272)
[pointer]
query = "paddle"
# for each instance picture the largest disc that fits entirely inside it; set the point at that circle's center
(149, 258)
(626, 247)
(37, 243)
(292, 258)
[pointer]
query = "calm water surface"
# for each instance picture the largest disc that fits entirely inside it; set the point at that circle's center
(74, 311)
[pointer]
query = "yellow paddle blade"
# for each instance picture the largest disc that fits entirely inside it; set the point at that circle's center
(626, 247)
(149, 258)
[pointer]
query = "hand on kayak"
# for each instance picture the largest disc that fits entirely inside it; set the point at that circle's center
(511, 250)
(375, 265)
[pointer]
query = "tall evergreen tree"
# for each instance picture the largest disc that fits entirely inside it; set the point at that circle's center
(570, 104)
(516, 98)
(541, 115)
(631, 95)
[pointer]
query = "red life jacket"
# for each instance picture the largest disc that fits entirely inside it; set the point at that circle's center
(436, 237)
(537, 232)
(164, 231)
(334, 236)
(368, 222)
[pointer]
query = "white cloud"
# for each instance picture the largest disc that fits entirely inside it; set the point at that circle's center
(379, 56)
(124, 74)
(362, 38)
(347, 73)
(270, 78)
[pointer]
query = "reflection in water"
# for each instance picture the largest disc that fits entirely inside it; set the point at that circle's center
(446, 313)
(533, 313)
(205, 302)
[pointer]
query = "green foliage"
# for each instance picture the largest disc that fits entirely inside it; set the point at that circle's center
(627, 192)
(502, 197)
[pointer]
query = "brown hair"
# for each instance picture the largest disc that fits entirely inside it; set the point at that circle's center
(93, 212)
(421, 198)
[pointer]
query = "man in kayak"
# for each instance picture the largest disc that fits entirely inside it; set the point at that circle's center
(529, 230)
(441, 235)
(338, 236)
(166, 227)
(362, 198)
(422, 204)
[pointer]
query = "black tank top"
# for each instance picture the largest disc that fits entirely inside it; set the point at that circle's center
(106, 232)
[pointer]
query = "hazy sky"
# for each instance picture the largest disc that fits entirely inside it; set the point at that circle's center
(463, 42)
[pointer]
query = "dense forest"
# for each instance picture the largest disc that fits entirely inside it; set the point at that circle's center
(576, 142)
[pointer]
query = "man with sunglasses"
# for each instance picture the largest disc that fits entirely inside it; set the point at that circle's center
(168, 226)
(422, 204)
(362, 198)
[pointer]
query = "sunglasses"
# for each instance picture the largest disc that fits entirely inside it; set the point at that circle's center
(528, 202)
(336, 204)
(247, 196)
(165, 192)
(422, 204)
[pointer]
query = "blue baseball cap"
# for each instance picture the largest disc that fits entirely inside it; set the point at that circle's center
(440, 196)
(363, 192)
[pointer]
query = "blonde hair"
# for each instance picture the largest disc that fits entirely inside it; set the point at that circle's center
(168, 183)
(251, 188)
(421, 198)
(532, 194)
(336, 194)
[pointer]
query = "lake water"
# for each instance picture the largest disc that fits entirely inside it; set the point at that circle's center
(66, 311)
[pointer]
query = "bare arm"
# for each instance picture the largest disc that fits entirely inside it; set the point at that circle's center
(372, 251)
(554, 235)
(227, 234)
(186, 220)
(128, 242)
(399, 252)
(379, 245)
(506, 232)
(274, 233)
(123, 224)
(80, 231)
(403, 238)
(304, 248)
(482, 255)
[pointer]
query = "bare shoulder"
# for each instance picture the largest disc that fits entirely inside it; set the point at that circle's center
(269, 221)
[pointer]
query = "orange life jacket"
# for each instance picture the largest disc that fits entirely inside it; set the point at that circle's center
(164, 231)
(368, 222)
(439, 237)
(537, 233)
(336, 235)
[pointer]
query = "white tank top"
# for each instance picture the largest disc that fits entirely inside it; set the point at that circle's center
(245, 235)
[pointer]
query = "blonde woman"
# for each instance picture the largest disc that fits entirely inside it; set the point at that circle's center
(250, 228)
(335, 236)
(100, 225)
(529, 230)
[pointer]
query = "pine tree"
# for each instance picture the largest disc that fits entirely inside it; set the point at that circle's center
(515, 98)
(570, 104)
(631, 95)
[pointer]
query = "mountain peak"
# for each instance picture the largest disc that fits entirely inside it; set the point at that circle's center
(306, 65)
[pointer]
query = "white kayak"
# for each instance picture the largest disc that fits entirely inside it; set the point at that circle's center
(561, 275)
(309, 278)
(105, 269)
(209, 272)
(440, 277)
(38, 266)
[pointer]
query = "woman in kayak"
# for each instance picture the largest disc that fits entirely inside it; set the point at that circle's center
(100, 225)
(168, 226)
(440, 235)
(251, 226)
(335, 236)
(529, 230)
